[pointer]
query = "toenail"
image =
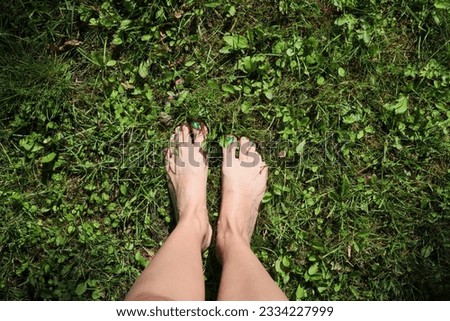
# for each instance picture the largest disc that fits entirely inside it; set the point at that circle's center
(229, 140)
(196, 125)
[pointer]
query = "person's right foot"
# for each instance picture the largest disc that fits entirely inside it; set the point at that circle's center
(244, 180)
(187, 171)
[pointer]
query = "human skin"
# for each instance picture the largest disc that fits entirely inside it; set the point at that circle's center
(175, 273)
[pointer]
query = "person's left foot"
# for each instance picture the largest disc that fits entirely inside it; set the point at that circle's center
(187, 171)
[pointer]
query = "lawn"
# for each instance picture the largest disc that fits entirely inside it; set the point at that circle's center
(348, 101)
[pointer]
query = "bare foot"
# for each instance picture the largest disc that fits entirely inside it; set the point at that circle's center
(187, 171)
(244, 180)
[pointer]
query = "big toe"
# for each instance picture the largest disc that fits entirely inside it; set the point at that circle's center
(199, 131)
(229, 150)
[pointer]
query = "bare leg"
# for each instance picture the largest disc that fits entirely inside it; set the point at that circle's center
(243, 186)
(176, 271)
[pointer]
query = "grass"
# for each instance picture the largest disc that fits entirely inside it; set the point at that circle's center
(348, 101)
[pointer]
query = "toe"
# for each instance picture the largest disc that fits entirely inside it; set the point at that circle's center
(170, 153)
(182, 142)
(200, 131)
(244, 147)
(185, 135)
(175, 137)
(264, 170)
(229, 151)
(252, 148)
(248, 153)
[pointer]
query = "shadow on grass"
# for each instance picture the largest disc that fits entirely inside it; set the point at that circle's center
(431, 275)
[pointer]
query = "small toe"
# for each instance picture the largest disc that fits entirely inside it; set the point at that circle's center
(244, 147)
(175, 137)
(169, 159)
(264, 171)
(252, 148)
(185, 134)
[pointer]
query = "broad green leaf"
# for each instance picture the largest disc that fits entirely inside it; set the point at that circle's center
(249, 64)
(267, 197)
(81, 288)
(352, 118)
(426, 251)
(278, 267)
(96, 295)
(48, 158)
(117, 41)
(225, 50)
(443, 4)
(346, 19)
(236, 41)
(300, 147)
(246, 107)
(125, 23)
(232, 10)
(26, 144)
(360, 134)
(111, 207)
(228, 88)
(312, 42)
(279, 47)
(400, 106)
(286, 262)
(268, 94)
(149, 94)
(300, 293)
(143, 69)
(341, 72)
(59, 240)
(212, 4)
(212, 84)
(313, 269)
(140, 258)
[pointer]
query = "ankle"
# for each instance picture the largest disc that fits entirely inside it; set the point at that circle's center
(228, 243)
(237, 222)
(199, 229)
(230, 234)
(196, 219)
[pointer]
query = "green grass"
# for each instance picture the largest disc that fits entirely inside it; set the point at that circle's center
(348, 101)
